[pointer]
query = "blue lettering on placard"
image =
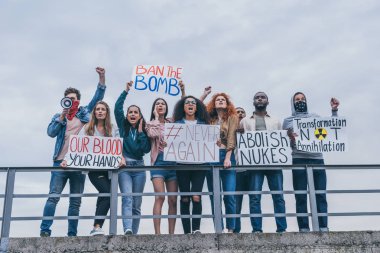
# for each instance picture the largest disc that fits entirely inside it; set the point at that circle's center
(173, 83)
(154, 84)
(140, 79)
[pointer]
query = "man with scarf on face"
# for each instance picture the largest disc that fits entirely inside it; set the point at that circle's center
(259, 121)
(300, 110)
(64, 124)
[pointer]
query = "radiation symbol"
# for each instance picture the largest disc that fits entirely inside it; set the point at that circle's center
(320, 133)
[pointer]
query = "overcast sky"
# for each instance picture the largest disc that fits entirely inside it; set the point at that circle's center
(323, 48)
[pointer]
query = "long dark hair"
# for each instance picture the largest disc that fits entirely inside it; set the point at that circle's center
(200, 114)
(152, 117)
(128, 125)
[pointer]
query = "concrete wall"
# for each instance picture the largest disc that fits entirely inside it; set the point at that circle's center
(365, 241)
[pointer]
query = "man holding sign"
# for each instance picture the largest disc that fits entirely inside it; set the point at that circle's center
(261, 121)
(300, 110)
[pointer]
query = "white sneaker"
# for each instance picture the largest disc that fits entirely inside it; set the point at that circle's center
(128, 232)
(197, 232)
(97, 231)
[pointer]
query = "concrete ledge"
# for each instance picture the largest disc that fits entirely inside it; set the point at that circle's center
(363, 241)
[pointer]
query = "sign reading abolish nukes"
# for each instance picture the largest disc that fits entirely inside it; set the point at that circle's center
(318, 135)
(264, 148)
(191, 143)
(94, 152)
(157, 79)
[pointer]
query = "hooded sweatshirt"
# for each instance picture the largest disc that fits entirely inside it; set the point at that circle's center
(288, 124)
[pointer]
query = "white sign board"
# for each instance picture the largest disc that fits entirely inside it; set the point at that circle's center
(158, 79)
(264, 148)
(94, 152)
(191, 143)
(318, 135)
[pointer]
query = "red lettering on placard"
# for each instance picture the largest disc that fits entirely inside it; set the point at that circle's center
(140, 70)
(73, 139)
(96, 148)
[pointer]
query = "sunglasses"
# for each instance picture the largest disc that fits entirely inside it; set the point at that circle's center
(190, 102)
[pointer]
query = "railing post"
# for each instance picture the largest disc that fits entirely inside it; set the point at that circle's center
(7, 209)
(312, 198)
(217, 201)
(113, 202)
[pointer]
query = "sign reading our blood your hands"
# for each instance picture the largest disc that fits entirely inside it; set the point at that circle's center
(158, 79)
(94, 152)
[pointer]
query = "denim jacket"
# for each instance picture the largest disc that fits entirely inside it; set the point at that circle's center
(57, 128)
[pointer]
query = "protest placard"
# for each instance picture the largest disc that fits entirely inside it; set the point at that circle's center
(264, 148)
(191, 143)
(94, 152)
(157, 79)
(321, 134)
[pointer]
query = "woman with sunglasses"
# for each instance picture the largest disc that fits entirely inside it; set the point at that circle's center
(190, 110)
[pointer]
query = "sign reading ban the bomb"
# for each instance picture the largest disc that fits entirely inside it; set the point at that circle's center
(94, 152)
(318, 135)
(157, 79)
(264, 148)
(191, 143)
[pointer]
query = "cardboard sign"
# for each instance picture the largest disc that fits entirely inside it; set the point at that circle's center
(318, 135)
(191, 143)
(94, 152)
(264, 148)
(157, 79)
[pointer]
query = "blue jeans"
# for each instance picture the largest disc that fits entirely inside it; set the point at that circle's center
(58, 181)
(275, 183)
(132, 182)
(166, 174)
(242, 184)
(300, 184)
(228, 178)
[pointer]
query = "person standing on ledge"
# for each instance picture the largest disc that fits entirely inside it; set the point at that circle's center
(68, 122)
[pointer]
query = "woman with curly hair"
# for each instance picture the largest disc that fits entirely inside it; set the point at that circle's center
(223, 113)
(190, 110)
(135, 145)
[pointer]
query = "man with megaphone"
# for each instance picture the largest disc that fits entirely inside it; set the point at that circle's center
(69, 122)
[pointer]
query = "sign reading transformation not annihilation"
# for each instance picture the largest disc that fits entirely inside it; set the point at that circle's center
(94, 152)
(318, 135)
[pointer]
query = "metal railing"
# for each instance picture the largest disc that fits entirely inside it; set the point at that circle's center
(217, 194)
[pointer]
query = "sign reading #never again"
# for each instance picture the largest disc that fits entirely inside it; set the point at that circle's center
(94, 152)
(191, 143)
(318, 135)
(264, 148)
(157, 79)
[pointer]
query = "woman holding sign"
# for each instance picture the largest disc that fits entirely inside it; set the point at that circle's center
(163, 177)
(99, 125)
(135, 145)
(223, 113)
(190, 110)
(300, 110)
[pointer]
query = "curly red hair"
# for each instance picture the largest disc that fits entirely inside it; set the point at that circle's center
(230, 110)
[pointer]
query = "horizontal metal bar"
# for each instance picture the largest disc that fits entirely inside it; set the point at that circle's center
(204, 167)
(189, 193)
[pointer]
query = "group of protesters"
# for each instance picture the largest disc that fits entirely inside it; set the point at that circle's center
(141, 137)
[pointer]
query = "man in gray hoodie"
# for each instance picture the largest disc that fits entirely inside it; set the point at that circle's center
(300, 110)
